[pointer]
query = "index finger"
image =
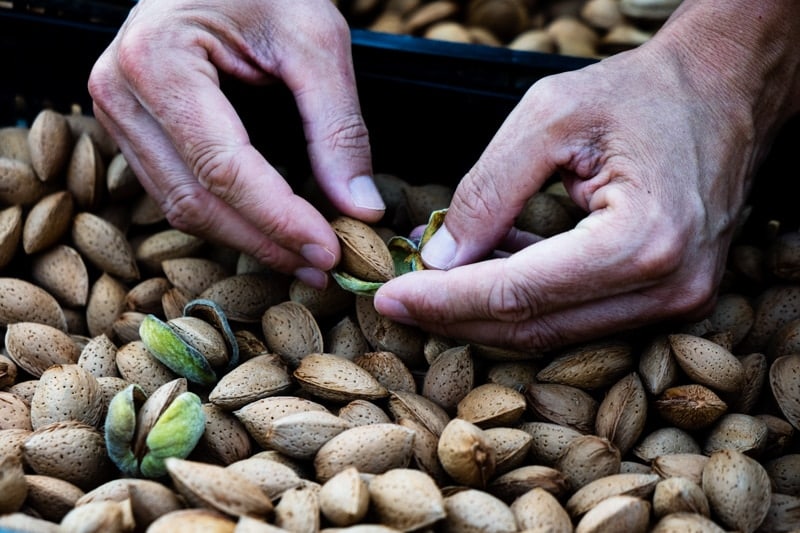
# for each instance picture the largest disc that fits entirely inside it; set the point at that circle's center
(184, 97)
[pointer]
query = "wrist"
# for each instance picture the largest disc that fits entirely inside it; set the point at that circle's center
(743, 55)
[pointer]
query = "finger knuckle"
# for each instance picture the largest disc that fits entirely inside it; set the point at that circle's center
(539, 335)
(659, 258)
(347, 132)
(478, 201)
(510, 303)
(185, 210)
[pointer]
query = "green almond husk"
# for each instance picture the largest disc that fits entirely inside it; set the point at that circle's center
(435, 222)
(405, 255)
(175, 353)
(355, 285)
(120, 428)
(212, 312)
(176, 434)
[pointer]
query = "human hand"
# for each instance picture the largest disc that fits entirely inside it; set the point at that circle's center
(658, 145)
(156, 90)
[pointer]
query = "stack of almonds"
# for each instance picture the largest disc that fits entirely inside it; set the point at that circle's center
(150, 381)
(583, 28)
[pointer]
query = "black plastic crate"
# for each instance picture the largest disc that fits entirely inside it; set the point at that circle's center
(430, 106)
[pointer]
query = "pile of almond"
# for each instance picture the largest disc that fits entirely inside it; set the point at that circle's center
(583, 28)
(238, 399)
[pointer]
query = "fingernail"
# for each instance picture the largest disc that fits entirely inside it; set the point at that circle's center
(312, 277)
(365, 194)
(319, 256)
(440, 251)
(393, 309)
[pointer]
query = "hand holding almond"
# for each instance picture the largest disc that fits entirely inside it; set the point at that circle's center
(157, 91)
(658, 145)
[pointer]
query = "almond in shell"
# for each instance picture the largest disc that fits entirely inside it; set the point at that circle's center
(548, 440)
(625, 512)
(707, 363)
(194, 519)
(382, 447)
(291, 331)
(737, 431)
(217, 488)
(193, 275)
(50, 142)
(298, 509)
(388, 369)
(47, 221)
(60, 270)
(51, 498)
(346, 339)
(364, 254)
(450, 378)
(591, 494)
(14, 143)
(66, 392)
(406, 499)
(105, 304)
(539, 510)
(466, 454)
(111, 516)
(337, 379)
(685, 465)
(166, 244)
(511, 446)
(12, 484)
(690, 407)
(383, 334)
(36, 347)
(784, 379)
(738, 489)
(563, 404)
(587, 458)
(245, 297)
(104, 245)
(663, 441)
(145, 296)
(657, 366)
(19, 183)
(301, 435)
(252, 380)
(10, 233)
(86, 173)
(257, 416)
(519, 481)
(361, 412)
(271, 476)
(23, 301)
(474, 511)
(589, 366)
(344, 499)
(622, 414)
(679, 495)
(15, 413)
(491, 405)
(71, 451)
(774, 307)
(225, 440)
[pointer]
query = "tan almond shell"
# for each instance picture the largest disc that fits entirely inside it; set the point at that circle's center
(364, 254)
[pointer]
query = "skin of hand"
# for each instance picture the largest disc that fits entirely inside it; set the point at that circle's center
(657, 144)
(156, 89)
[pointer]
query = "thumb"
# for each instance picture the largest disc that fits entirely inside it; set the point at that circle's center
(338, 142)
